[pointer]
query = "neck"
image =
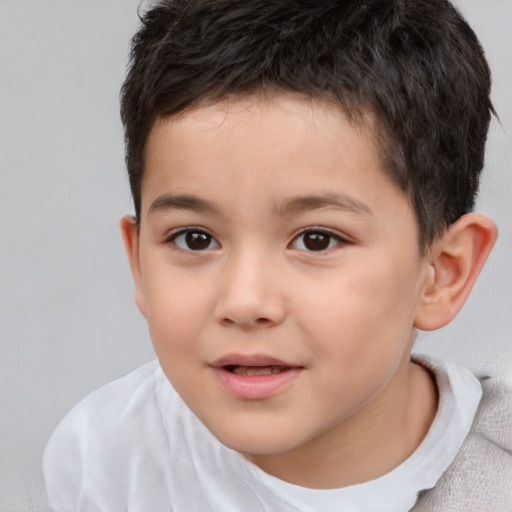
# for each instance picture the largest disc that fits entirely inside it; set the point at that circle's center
(371, 443)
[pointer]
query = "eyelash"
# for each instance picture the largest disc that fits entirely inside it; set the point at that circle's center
(192, 230)
(330, 235)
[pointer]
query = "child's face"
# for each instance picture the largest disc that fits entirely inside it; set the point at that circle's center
(278, 270)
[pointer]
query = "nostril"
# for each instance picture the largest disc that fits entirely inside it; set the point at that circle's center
(259, 322)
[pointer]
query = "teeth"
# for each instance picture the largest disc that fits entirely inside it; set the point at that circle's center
(257, 370)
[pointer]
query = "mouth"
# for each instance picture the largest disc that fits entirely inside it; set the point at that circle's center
(251, 371)
(255, 377)
(250, 365)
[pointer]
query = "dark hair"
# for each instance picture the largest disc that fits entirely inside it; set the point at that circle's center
(415, 65)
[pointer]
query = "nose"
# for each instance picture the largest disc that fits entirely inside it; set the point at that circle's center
(251, 296)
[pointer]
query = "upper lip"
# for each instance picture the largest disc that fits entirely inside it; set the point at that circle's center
(250, 360)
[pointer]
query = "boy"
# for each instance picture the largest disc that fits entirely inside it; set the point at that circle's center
(303, 174)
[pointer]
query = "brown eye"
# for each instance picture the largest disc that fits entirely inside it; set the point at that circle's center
(316, 241)
(197, 241)
(192, 240)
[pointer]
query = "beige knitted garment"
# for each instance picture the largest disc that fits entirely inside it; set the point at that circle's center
(480, 477)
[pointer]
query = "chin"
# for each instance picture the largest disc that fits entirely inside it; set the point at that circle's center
(262, 442)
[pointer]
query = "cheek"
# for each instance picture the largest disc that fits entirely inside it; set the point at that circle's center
(358, 328)
(177, 306)
(176, 315)
(369, 308)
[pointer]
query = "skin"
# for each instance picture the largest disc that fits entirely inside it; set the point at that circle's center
(345, 315)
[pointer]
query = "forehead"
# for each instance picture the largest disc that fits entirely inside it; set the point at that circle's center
(250, 119)
(257, 148)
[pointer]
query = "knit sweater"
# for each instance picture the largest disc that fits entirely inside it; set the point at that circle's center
(480, 477)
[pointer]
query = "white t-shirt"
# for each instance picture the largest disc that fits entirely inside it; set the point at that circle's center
(134, 446)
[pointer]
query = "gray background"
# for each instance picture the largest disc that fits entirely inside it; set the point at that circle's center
(68, 323)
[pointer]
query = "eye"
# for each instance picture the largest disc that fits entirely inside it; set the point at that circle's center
(316, 240)
(193, 240)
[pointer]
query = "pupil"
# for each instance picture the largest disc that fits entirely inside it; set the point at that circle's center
(316, 241)
(197, 241)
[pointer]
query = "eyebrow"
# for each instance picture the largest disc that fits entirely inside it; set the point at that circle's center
(290, 206)
(181, 202)
(336, 200)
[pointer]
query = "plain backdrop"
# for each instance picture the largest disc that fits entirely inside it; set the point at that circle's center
(68, 322)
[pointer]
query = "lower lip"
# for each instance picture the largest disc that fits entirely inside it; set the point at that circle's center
(255, 387)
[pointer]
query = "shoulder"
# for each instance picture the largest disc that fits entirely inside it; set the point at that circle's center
(111, 403)
(493, 421)
(100, 437)
(480, 477)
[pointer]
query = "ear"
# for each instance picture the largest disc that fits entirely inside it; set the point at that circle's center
(130, 232)
(454, 260)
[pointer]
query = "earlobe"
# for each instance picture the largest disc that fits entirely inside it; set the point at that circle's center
(130, 232)
(456, 259)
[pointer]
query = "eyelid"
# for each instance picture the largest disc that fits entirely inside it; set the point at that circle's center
(171, 236)
(342, 238)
